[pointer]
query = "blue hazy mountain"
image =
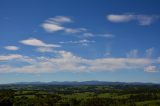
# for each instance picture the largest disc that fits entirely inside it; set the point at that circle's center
(83, 83)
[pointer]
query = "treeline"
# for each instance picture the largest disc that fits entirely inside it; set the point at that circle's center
(86, 88)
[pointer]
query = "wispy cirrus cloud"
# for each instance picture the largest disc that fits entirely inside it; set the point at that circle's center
(88, 34)
(79, 41)
(132, 54)
(58, 24)
(41, 46)
(37, 42)
(13, 48)
(55, 24)
(50, 27)
(105, 35)
(19, 57)
(76, 30)
(149, 52)
(143, 20)
(83, 42)
(9, 57)
(60, 20)
(45, 49)
(151, 68)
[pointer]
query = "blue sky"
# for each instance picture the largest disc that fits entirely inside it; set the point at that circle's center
(55, 40)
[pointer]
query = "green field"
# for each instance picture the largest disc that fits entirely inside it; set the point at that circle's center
(97, 95)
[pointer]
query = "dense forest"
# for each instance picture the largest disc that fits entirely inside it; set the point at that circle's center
(82, 95)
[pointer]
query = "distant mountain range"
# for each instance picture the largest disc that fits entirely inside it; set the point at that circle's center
(84, 83)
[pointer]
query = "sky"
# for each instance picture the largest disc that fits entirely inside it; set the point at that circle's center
(79, 40)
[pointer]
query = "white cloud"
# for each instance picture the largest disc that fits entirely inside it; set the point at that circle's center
(83, 42)
(52, 27)
(10, 57)
(44, 49)
(106, 35)
(117, 18)
(149, 52)
(16, 57)
(78, 30)
(132, 53)
(41, 46)
(57, 24)
(143, 20)
(66, 61)
(79, 41)
(113, 64)
(13, 48)
(60, 20)
(87, 34)
(146, 20)
(151, 69)
(107, 53)
(37, 43)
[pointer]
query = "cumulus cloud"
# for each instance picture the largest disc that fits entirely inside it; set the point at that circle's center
(66, 61)
(143, 20)
(13, 48)
(57, 24)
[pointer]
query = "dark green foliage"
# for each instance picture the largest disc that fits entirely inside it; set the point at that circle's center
(6, 97)
(115, 95)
